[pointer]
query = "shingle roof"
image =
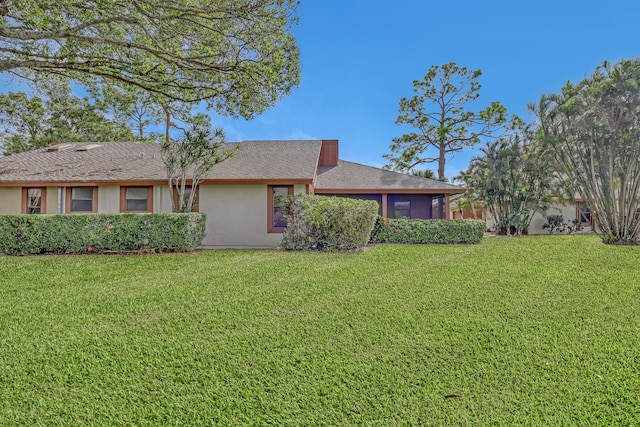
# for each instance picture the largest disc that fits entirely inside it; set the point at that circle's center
(348, 176)
(254, 161)
(130, 161)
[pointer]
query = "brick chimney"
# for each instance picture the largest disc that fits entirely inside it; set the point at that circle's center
(329, 153)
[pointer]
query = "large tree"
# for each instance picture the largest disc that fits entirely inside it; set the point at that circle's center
(593, 129)
(139, 109)
(54, 114)
(237, 55)
(441, 112)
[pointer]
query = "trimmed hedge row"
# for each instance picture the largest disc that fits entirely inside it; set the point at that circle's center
(443, 231)
(100, 233)
(328, 223)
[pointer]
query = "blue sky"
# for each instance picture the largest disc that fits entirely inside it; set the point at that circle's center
(360, 57)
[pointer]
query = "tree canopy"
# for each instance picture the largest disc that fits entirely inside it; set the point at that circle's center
(443, 119)
(31, 121)
(238, 56)
(514, 178)
(593, 130)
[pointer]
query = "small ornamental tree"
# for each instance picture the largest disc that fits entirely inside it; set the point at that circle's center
(190, 159)
(513, 180)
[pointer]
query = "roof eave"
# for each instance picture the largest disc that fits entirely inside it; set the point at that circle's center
(389, 190)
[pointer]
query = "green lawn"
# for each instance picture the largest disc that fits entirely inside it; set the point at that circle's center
(524, 331)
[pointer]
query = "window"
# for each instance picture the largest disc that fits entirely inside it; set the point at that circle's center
(187, 191)
(402, 209)
(136, 199)
(33, 200)
(584, 214)
(82, 199)
(437, 207)
(276, 207)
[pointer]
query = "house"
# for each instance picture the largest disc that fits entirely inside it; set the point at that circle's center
(239, 196)
(570, 210)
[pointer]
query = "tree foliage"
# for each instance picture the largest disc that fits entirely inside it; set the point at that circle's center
(513, 180)
(440, 112)
(238, 56)
(190, 159)
(138, 109)
(593, 129)
(424, 173)
(29, 122)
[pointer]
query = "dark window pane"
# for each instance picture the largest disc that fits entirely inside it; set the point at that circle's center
(585, 213)
(402, 209)
(437, 207)
(82, 199)
(137, 205)
(279, 208)
(137, 199)
(81, 205)
(278, 218)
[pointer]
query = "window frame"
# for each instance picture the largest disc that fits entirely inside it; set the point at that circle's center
(580, 211)
(25, 200)
(68, 200)
(271, 206)
(123, 199)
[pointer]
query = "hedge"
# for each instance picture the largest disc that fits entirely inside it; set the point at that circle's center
(328, 223)
(442, 231)
(100, 233)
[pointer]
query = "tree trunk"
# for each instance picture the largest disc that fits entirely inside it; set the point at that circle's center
(441, 161)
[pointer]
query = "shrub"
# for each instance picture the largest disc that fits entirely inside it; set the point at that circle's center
(427, 231)
(556, 224)
(328, 223)
(74, 234)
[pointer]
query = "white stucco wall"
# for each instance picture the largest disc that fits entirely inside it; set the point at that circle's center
(10, 200)
(161, 199)
(109, 199)
(237, 215)
(568, 212)
(53, 200)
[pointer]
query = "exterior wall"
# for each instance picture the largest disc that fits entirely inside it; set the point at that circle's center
(568, 212)
(162, 199)
(10, 200)
(237, 215)
(420, 205)
(109, 199)
(53, 200)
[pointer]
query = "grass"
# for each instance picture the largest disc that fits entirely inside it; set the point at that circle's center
(529, 331)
